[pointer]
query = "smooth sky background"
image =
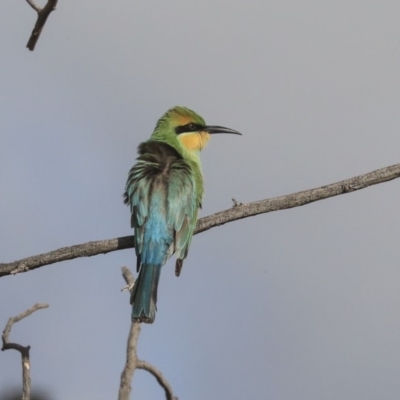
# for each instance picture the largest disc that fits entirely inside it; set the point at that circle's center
(300, 304)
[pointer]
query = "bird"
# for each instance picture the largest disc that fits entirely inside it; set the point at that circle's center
(164, 191)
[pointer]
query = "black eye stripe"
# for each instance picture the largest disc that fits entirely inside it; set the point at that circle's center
(191, 127)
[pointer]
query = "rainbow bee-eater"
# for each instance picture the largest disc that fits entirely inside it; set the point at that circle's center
(164, 191)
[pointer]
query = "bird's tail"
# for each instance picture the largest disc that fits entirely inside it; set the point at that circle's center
(144, 293)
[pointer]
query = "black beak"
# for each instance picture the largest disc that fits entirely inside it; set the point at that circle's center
(212, 129)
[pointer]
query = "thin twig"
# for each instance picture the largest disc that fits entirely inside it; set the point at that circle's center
(232, 214)
(43, 14)
(159, 376)
(34, 5)
(236, 203)
(24, 350)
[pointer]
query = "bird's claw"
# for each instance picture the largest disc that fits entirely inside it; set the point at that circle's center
(128, 287)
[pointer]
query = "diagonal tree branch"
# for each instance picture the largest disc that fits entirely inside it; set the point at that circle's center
(24, 350)
(238, 211)
(43, 14)
(299, 198)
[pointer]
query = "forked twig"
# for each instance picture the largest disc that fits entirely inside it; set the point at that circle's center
(43, 14)
(132, 362)
(24, 350)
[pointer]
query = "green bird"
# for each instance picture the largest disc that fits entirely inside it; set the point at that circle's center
(164, 191)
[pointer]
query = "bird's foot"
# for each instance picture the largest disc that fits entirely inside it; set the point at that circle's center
(128, 287)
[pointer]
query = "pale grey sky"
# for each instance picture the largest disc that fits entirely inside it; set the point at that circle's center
(295, 305)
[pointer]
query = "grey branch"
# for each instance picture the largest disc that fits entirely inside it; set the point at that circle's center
(132, 361)
(43, 14)
(299, 198)
(24, 350)
(67, 253)
(131, 356)
(232, 214)
(159, 376)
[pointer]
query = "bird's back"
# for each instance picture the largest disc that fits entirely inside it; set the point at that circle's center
(161, 192)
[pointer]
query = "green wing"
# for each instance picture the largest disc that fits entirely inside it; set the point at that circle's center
(162, 174)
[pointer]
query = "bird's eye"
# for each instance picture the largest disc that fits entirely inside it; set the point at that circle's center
(190, 127)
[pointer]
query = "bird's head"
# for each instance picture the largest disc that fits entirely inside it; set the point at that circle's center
(183, 127)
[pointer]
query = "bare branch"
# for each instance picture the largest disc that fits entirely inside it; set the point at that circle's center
(24, 350)
(131, 356)
(235, 213)
(43, 14)
(130, 364)
(159, 376)
(67, 253)
(299, 198)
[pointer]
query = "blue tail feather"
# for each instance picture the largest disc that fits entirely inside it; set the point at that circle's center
(144, 293)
